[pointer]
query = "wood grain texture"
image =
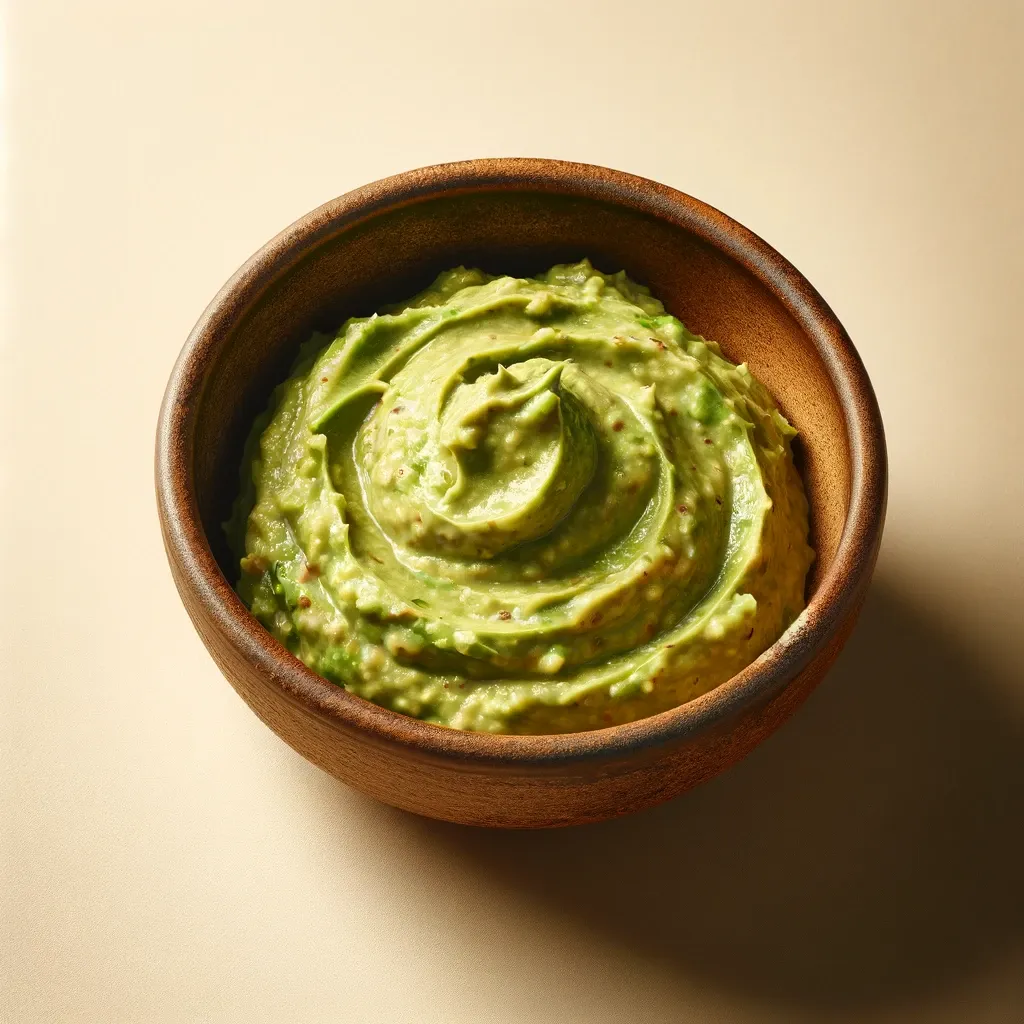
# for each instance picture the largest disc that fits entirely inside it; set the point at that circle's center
(381, 243)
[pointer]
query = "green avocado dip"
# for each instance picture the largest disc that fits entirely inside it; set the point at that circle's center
(522, 506)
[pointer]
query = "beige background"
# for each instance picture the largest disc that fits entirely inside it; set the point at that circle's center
(167, 859)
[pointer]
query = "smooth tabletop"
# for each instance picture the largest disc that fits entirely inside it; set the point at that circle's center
(165, 858)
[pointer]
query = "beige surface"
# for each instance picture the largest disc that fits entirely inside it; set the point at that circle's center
(167, 859)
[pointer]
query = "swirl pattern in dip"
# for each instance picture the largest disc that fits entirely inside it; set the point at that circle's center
(530, 506)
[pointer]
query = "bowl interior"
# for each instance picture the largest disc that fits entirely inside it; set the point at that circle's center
(386, 256)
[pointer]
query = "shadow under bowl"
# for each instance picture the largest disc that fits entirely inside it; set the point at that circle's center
(382, 243)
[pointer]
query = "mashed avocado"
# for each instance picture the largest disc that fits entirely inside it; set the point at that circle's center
(523, 505)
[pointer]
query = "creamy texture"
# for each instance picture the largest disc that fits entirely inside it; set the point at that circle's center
(514, 505)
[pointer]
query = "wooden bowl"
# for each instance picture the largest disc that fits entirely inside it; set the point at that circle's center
(384, 242)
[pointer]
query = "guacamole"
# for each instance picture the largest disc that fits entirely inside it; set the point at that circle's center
(522, 506)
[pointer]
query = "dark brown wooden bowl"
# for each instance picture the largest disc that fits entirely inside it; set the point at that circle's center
(382, 243)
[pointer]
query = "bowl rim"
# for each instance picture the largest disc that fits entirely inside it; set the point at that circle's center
(838, 592)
